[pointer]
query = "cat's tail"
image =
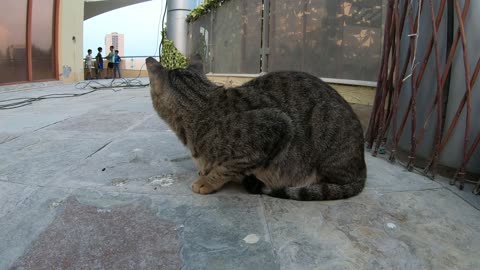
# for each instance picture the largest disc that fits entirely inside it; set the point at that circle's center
(316, 192)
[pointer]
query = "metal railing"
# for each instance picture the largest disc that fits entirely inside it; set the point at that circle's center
(130, 67)
(134, 62)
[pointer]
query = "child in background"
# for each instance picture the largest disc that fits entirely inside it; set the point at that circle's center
(89, 64)
(99, 60)
(116, 65)
(110, 63)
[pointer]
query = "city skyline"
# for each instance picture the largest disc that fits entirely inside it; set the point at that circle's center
(117, 40)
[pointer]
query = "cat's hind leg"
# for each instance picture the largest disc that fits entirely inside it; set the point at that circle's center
(252, 184)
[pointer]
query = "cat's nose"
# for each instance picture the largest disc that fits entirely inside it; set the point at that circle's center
(151, 60)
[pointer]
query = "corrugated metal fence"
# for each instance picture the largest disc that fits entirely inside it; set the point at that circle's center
(328, 38)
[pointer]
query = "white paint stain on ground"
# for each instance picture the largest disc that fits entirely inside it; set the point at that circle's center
(100, 210)
(251, 239)
(55, 204)
(391, 226)
(119, 182)
(137, 155)
(162, 180)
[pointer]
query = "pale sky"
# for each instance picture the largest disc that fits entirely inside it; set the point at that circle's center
(139, 24)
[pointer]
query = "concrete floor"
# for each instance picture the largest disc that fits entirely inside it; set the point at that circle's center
(100, 182)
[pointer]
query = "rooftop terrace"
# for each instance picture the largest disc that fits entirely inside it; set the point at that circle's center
(100, 182)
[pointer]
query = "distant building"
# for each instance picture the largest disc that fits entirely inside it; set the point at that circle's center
(117, 40)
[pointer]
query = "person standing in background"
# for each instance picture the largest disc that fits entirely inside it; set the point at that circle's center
(111, 60)
(99, 65)
(89, 64)
(116, 65)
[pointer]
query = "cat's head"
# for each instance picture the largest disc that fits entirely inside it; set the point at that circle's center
(158, 74)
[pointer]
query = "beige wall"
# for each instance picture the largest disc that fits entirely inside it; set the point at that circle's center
(70, 52)
(126, 73)
(136, 64)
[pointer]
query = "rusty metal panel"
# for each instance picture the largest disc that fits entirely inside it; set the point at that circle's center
(237, 37)
(329, 39)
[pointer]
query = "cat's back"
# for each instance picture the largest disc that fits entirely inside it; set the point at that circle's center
(276, 79)
(293, 88)
(293, 92)
(294, 85)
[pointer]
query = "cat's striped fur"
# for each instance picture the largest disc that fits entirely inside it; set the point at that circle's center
(285, 134)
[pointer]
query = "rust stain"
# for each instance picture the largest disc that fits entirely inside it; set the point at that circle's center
(89, 237)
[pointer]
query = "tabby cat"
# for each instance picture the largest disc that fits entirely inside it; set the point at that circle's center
(285, 134)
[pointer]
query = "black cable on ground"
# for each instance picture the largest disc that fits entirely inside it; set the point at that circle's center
(20, 102)
(115, 83)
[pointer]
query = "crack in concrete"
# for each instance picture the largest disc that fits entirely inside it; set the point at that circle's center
(137, 124)
(463, 199)
(50, 124)
(410, 190)
(9, 139)
(28, 145)
(99, 149)
(23, 184)
(269, 232)
(431, 189)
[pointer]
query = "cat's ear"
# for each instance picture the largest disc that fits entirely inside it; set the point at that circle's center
(196, 63)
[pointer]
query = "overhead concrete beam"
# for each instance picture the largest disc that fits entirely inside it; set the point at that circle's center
(96, 7)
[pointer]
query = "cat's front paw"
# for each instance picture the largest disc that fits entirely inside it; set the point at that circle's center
(202, 186)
